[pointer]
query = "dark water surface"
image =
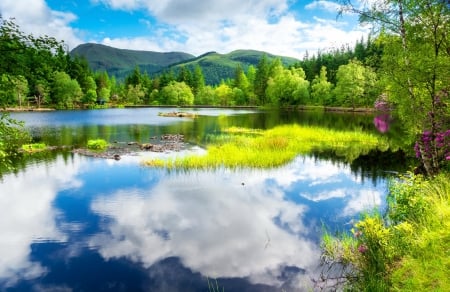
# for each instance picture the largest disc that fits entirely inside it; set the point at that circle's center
(76, 223)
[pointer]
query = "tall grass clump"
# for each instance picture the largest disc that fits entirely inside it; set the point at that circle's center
(239, 147)
(34, 147)
(407, 249)
(97, 144)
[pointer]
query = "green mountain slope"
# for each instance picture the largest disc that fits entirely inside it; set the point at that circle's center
(120, 62)
(215, 66)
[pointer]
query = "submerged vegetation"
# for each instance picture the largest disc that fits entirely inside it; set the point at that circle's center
(238, 147)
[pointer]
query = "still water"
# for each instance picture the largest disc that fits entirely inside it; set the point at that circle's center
(77, 223)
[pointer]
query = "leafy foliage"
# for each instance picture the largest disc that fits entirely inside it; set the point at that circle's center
(405, 250)
(12, 136)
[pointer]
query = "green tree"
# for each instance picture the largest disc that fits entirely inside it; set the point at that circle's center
(134, 94)
(206, 96)
(90, 96)
(177, 93)
(416, 65)
(321, 88)
(198, 80)
(20, 88)
(66, 92)
(261, 77)
(224, 94)
(288, 87)
(354, 84)
(13, 135)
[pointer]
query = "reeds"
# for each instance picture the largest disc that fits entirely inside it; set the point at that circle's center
(240, 147)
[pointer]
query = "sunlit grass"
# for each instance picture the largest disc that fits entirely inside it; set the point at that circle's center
(407, 250)
(240, 147)
(97, 144)
(34, 147)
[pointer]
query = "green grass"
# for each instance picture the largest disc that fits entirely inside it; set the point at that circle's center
(239, 147)
(408, 249)
(97, 144)
(34, 147)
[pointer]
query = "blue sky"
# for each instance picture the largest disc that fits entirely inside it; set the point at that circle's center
(283, 27)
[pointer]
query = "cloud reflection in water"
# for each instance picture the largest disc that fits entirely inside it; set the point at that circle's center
(220, 227)
(28, 216)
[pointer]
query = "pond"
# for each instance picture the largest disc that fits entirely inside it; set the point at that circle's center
(77, 223)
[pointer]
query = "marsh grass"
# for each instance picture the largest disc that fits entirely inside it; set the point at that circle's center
(406, 250)
(34, 147)
(97, 144)
(240, 147)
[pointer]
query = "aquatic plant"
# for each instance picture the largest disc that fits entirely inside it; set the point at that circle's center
(34, 147)
(238, 147)
(405, 250)
(97, 144)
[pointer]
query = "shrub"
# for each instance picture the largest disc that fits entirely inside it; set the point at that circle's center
(97, 144)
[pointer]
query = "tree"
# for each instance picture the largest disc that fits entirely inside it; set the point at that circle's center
(134, 94)
(321, 88)
(177, 93)
(261, 77)
(20, 88)
(415, 65)
(65, 91)
(354, 83)
(198, 80)
(224, 94)
(13, 136)
(288, 87)
(206, 96)
(90, 96)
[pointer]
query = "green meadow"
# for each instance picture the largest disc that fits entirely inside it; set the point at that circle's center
(242, 147)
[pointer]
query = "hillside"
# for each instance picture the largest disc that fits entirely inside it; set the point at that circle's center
(215, 66)
(120, 62)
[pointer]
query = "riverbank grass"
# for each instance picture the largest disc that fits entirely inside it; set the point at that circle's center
(406, 250)
(240, 147)
(97, 144)
(34, 147)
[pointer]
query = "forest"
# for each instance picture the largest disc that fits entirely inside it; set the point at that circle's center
(39, 71)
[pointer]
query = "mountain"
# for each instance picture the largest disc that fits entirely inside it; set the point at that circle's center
(120, 62)
(215, 66)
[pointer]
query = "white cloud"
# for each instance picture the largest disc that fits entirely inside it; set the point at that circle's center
(215, 230)
(28, 216)
(225, 26)
(324, 5)
(37, 18)
(198, 26)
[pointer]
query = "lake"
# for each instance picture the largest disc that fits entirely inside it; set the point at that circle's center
(77, 223)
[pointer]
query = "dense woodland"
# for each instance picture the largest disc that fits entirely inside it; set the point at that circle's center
(39, 71)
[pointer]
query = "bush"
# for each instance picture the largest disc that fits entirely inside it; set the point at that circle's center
(97, 144)
(405, 250)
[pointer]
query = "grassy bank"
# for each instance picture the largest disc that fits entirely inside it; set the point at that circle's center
(408, 249)
(239, 147)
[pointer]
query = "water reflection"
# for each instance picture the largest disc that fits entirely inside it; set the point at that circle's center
(84, 224)
(70, 219)
(28, 216)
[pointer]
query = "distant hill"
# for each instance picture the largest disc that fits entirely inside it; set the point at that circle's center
(215, 66)
(120, 62)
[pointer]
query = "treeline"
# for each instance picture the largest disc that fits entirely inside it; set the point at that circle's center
(39, 71)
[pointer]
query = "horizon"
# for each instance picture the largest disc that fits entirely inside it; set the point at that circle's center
(285, 28)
